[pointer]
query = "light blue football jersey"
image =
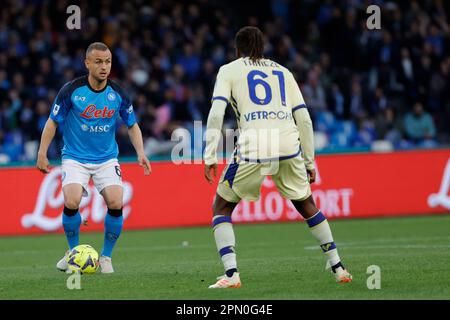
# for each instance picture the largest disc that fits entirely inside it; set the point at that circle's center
(89, 119)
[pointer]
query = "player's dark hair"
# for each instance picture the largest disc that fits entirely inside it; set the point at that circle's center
(96, 46)
(250, 42)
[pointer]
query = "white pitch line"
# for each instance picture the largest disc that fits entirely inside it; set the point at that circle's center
(391, 243)
(393, 246)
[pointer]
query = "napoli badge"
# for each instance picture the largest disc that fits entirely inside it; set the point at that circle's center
(111, 96)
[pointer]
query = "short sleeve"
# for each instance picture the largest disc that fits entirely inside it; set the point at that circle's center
(126, 107)
(222, 87)
(62, 104)
(126, 110)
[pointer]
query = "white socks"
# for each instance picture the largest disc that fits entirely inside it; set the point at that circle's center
(225, 240)
(320, 229)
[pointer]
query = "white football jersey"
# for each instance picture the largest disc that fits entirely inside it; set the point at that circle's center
(263, 95)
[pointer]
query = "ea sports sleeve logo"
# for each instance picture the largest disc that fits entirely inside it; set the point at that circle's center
(130, 109)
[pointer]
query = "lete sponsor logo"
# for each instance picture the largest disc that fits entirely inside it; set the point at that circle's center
(442, 198)
(273, 207)
(91, 111)
(50, 196)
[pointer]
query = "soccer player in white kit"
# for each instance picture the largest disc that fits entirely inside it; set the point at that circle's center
(276, 139)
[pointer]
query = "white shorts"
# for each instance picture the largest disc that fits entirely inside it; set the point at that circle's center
(103, 174)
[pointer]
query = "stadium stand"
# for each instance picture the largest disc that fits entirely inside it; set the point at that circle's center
(366, 89)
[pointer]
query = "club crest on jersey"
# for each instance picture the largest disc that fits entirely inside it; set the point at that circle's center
(111, 96)
(91, 111)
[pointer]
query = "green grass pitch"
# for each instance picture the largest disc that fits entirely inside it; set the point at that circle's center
(276, 261)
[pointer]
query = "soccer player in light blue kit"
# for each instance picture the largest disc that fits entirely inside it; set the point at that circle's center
(89, 107)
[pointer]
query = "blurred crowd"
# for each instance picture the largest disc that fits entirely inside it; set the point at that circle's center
(376, 89)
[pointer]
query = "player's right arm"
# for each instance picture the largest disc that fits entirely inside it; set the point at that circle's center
(221, 96)
(58, 113)
(47, 136)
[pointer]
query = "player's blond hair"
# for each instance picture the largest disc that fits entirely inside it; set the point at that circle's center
(96, 46)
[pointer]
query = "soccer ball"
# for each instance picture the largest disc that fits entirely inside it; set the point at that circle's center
(83, 259)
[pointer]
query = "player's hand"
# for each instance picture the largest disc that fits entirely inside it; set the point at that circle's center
(143, 162)
(210, 178)
(311, 175)
(42, 163)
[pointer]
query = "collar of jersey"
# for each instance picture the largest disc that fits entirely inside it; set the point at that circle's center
(96, 91)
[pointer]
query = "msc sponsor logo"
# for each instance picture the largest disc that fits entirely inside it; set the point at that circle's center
(87, 128)
(268, 115)
(91, 111)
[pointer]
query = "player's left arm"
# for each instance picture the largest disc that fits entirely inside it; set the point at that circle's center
(304, 126)
(135, 134)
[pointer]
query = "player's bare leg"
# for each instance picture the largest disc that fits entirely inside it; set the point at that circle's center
(320, 229)
(225, 241)
(113, 196)
(71, 219)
